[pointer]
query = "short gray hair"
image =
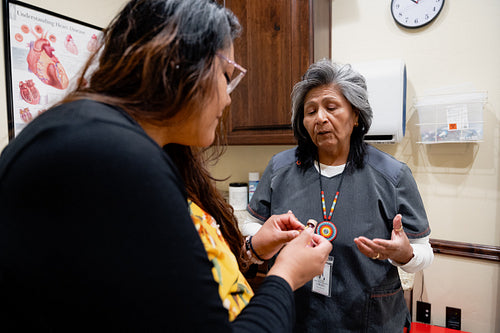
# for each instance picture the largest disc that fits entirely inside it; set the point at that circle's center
(353, 86)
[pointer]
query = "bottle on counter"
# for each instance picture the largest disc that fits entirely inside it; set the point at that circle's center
(253, 181)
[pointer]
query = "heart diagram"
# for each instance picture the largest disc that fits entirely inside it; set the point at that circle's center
(43, 63)
(29, 92)
(26, 115)
(70, 45)
(93, 44)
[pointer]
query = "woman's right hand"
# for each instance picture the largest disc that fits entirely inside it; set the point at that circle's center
(302, 259)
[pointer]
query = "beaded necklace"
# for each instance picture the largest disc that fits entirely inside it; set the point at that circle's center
(326, 228)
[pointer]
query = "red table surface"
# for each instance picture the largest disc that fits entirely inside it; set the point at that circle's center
(426, 328)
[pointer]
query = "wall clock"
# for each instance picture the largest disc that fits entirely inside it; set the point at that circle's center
(415, 13)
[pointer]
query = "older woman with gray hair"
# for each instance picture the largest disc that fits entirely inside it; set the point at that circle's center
(361, 199)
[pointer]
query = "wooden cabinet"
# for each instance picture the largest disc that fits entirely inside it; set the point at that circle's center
(276, 47)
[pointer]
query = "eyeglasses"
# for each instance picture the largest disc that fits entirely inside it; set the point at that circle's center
(233, 82)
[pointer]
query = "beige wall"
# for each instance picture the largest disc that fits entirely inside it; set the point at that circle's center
(460, 183)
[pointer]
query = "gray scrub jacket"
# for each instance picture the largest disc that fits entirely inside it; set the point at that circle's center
(366, 294)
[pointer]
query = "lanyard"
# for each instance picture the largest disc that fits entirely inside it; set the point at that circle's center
(326, 228)
(334, 203)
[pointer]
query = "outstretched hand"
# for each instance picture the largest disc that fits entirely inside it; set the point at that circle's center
(398, 248)
(276, 232)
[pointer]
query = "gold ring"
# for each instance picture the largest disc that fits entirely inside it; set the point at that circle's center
(378, 256)
(400, 229)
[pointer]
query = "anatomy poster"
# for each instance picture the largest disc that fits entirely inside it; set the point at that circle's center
(44, 54)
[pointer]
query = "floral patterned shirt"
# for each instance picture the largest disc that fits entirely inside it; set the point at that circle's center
(234, 290)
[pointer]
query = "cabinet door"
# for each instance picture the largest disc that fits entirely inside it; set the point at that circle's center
(276, 47)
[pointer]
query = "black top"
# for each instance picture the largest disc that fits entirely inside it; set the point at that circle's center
(95, 234)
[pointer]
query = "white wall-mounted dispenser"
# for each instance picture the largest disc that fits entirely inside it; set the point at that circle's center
(386, 83)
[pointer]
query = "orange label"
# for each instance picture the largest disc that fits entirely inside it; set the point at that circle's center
(452, 126)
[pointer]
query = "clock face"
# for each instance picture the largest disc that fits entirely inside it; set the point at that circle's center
(415, 13)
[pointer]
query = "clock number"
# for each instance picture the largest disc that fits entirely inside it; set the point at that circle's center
(415, 21)
(426, 16)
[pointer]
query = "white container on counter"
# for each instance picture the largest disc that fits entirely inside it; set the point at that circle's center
(238, 195)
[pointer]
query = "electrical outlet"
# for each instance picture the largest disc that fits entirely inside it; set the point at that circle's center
(424, 312)
(453, 318)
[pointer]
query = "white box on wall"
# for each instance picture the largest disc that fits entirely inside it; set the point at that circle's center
(386, 84)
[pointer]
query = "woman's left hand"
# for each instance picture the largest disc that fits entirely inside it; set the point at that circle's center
(397, 249)
(276, 232)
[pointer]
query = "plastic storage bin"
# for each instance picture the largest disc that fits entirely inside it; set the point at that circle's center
(451, 118)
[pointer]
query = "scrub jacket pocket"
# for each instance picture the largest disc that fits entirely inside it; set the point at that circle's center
(383, 310)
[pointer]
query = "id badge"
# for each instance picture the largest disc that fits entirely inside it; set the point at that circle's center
(322, 284)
